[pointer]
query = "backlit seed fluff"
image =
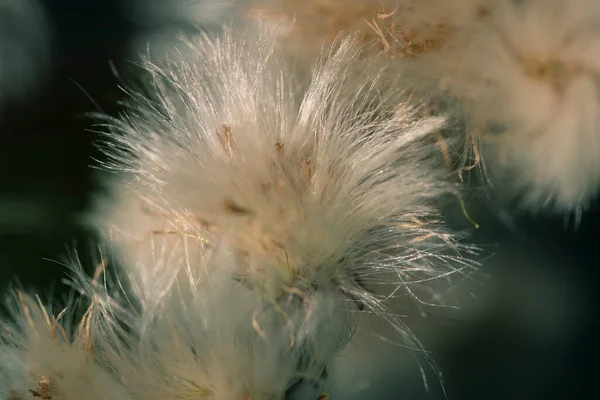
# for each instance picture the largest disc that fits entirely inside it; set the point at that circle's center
(329, 181)
(199, 333)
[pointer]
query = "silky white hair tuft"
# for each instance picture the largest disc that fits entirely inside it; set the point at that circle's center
(327, 181)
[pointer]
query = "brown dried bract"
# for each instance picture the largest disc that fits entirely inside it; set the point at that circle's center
(231, 207)
(280, 148)
(45, 389)
(86, 330)
(307, 170)
(555, 72)
(226, 139)
(399, 40)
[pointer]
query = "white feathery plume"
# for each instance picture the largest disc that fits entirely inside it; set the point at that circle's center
(327, 183)
(270, 209)
(23, 46)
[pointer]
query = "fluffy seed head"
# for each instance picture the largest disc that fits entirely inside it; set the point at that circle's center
(328, 180)
(297, 201)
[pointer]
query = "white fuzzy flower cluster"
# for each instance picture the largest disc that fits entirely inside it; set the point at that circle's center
(528, 75)
(257, 211)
